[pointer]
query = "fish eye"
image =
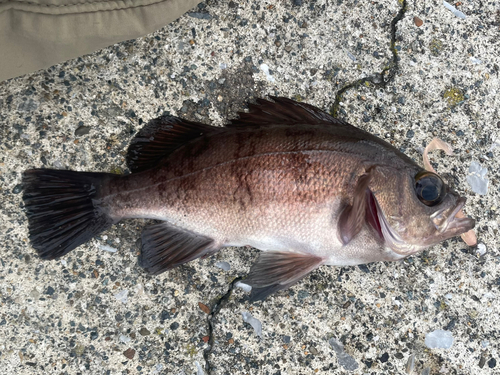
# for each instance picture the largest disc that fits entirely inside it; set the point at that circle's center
(429, 188)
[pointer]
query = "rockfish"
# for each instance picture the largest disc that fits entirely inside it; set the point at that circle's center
(304, 187)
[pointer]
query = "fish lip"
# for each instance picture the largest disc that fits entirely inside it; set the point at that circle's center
(457, 224)
(459, 206)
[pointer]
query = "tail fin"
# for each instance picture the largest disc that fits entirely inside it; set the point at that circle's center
(62, 209)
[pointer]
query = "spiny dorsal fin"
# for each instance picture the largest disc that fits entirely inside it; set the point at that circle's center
(159, 138)
(284, 111)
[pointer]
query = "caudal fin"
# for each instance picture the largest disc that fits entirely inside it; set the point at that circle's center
(62, 209)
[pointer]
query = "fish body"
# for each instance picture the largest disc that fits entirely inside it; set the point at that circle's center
(305, 188)
(277, 188)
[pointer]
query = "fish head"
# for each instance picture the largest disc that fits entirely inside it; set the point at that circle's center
(417, 209)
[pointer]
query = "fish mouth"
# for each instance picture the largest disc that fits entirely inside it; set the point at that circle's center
(447, 226)
(451, 224)
(455, 224)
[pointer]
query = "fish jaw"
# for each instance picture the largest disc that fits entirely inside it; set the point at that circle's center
(446, 223)
(449, 223)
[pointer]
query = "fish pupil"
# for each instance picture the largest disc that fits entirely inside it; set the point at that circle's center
(430, 193)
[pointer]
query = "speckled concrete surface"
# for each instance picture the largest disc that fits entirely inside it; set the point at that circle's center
(71, 317)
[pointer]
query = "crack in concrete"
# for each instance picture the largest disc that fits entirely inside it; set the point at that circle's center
(214, 310)
(377, 79)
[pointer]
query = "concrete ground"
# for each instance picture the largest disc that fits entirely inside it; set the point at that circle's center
(371, 63)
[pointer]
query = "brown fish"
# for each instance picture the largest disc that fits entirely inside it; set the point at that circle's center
(305, 188)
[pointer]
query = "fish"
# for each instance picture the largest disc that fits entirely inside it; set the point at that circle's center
(285, 177)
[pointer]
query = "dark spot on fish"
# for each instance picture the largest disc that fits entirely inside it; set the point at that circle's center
(243, 194)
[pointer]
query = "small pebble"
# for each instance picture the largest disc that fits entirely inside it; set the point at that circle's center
(223, 265)
(492, 363)
(255, 323)
(477, 178)
(17, 189)
(122, 296)
(124, 338)
(129, 353)
(107, 248)
(200, 16)
(79, 350)
(418, 22)
(410, 364)
(481, 249)
(364, 268)
(204, 308)
(345, 360)
(439, 339)
(351, 56)
(302, 294)
(482, 362)
(82, 130)
(265, 69)
(139, 290)
(246, 288)
(199, 369)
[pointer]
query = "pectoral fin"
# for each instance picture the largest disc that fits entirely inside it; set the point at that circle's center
(165, 247)
(277, 271)
(362, 210)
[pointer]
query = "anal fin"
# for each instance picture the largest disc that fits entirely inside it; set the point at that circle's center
(275, 271)
(165, 247)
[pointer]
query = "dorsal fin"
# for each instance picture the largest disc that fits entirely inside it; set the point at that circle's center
(284, 111)
(159, 138)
